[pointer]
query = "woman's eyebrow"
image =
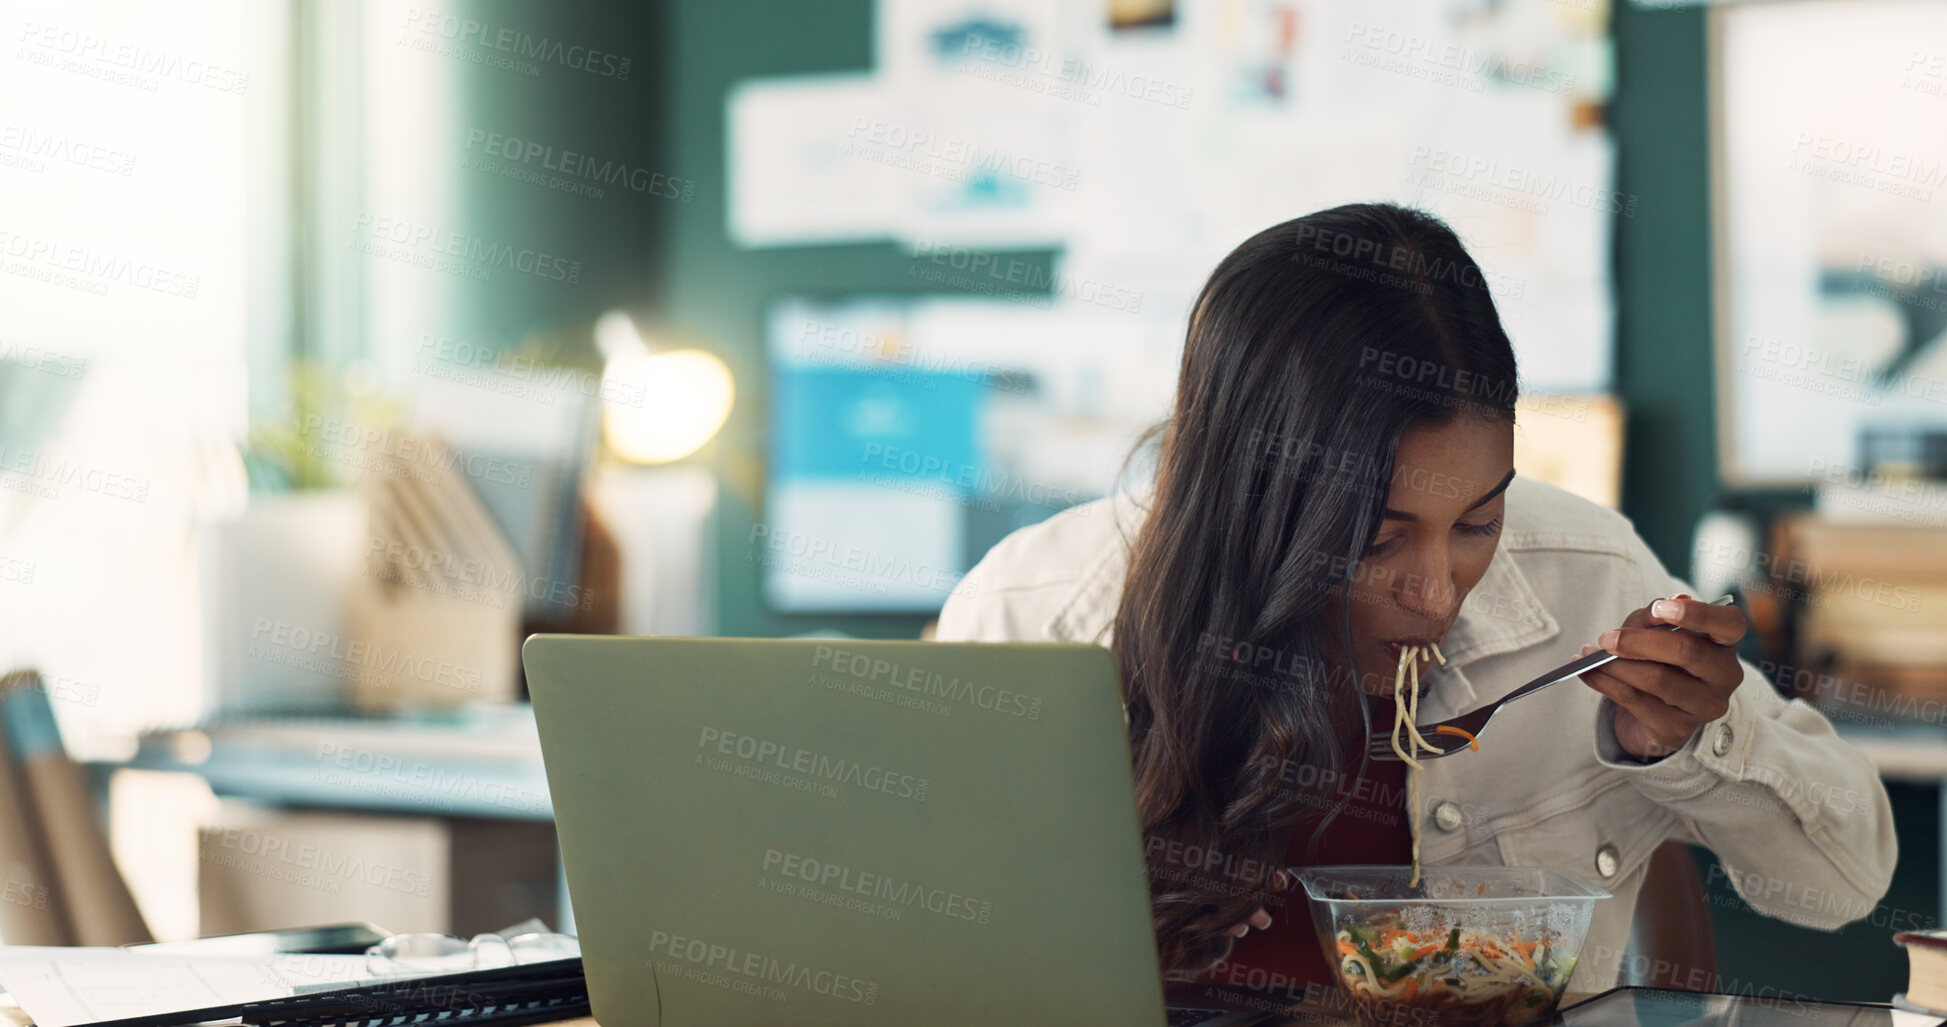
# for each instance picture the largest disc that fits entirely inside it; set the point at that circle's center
(1495, 491)
(1400, 515)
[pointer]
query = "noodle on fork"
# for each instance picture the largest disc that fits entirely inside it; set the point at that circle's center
(1406, 714)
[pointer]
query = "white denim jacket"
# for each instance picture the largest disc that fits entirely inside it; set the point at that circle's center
(1797, 816)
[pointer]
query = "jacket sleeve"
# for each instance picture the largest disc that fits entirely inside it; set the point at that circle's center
(1797, 816)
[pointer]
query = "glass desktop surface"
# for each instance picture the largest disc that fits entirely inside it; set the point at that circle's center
(1652, 1007)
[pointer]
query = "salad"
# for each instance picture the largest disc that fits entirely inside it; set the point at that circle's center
(1464, 977)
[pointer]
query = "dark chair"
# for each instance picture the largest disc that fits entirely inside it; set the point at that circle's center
(1671, 941)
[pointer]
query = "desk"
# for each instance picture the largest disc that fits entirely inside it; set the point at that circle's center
(483, 764)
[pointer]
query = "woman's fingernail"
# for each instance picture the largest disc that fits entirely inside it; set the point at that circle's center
(1608, 639)
(1666, 609)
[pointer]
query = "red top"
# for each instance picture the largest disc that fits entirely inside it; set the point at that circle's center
(1372, 828)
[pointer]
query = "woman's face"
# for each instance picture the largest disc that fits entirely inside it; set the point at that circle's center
(1442, 521)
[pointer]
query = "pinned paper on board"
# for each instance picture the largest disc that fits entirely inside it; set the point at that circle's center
(984, 165)
(936, 40)
(801, 163)
(954, 422)
(1833, 249)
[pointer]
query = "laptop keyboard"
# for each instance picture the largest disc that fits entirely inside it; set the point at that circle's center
(1190, 1016)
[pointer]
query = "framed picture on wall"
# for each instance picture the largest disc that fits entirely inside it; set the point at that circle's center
(1829, 181)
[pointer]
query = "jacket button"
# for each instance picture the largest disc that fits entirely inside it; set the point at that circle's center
(1448, 816)
(1607, 859)
(1722, 743)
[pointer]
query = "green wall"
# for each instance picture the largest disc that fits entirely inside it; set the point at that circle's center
(609, 119)
(1662, 262)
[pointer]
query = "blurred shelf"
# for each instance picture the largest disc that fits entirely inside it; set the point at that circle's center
(482, 764)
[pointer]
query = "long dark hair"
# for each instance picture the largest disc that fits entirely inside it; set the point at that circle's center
(1314, 344)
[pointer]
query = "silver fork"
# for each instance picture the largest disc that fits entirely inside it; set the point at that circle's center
(1380, 745)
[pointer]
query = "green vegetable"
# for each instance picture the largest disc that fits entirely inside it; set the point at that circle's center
(1372, 957)
(1536, 998)
(1390, 976)
(1383, 967)
(1453, 939)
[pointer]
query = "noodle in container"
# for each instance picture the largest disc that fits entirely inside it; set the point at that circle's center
(1467, 947)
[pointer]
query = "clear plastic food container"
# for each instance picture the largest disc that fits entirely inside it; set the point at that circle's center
(1469, 946)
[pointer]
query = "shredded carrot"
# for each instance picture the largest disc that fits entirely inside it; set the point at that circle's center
(1527, 950)
(1346, 948)
(1391, 935)
(1425, 952)
(1473, 744)
(1412, 987)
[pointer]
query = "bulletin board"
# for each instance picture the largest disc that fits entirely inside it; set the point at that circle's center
(1142, 141)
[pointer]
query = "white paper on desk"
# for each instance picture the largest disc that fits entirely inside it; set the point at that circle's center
(61, 987)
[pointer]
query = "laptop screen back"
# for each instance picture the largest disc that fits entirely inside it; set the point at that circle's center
(847, 832)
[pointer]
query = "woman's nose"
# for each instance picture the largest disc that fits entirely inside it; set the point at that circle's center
(1429, 590)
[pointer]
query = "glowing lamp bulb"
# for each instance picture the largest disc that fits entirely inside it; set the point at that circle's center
(663, 407)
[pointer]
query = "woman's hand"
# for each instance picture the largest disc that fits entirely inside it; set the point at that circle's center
(1260, 919)
(1669, 683)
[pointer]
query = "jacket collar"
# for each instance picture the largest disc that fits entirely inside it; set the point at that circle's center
(1501, 614)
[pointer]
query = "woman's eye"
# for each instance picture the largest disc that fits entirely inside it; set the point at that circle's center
(1382, 545)
(1481, 529)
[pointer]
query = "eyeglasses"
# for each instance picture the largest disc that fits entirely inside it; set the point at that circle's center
(404, 954)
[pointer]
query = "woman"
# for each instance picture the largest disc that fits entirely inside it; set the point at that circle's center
(1337, 483)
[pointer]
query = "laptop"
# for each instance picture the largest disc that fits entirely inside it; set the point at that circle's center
(839, 832)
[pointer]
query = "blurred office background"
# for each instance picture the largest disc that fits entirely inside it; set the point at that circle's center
(341, 345)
